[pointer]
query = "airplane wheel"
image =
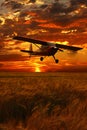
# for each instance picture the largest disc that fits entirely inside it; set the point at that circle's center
(41, 58)
(56, 60)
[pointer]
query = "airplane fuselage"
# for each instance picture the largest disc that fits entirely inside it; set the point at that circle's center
(47, 51)
(43, 51)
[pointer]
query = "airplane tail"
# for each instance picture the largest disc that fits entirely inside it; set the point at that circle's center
(30, 49)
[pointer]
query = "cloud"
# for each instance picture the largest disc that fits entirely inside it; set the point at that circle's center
(52, 17)
(62, 15)
(32, 1)
(76, 2)
(1, 65)
(1, 46)
(43, 6)
(55, 12)
(14, 5)
(12, 57)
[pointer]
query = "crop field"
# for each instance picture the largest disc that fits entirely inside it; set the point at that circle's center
(43, 101)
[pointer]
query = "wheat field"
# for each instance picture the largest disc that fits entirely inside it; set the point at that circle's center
(43, 101)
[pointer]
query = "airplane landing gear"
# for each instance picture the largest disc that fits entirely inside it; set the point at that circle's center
(41, 58)
(56, 60)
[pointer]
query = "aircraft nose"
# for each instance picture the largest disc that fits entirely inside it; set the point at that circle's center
(55, 47)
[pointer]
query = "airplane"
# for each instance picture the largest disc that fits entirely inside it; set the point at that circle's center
(46, 48)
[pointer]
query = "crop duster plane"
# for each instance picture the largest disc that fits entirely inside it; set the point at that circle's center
(46, 48)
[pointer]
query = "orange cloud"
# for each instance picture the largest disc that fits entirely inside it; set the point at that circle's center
(49, 25)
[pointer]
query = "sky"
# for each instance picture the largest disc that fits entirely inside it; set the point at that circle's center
(60, 21)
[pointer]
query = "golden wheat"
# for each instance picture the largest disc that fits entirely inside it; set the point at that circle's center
(43, 101)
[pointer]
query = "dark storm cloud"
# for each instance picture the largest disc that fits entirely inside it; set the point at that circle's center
(6, 29)
(1, 65)
(12, 57)
(11, 26)
(1, 45)
(55, 13)
(43, 6)
(32, 1)
(34, 25)
(75, 5)
(57, 8)
(12, 4)
(76, 2)
(63, 15)
(23, 14)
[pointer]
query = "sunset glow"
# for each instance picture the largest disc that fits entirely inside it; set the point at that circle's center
(64, 43)
(37, 69)
(62, 22)
(2, 20)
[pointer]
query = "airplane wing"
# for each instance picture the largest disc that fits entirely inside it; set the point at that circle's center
(59, 46)
(72, 48)
(30, 40)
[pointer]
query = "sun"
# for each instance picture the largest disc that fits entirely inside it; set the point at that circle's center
(37, 69)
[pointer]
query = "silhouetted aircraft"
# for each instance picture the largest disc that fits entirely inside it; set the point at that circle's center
(46, 48)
